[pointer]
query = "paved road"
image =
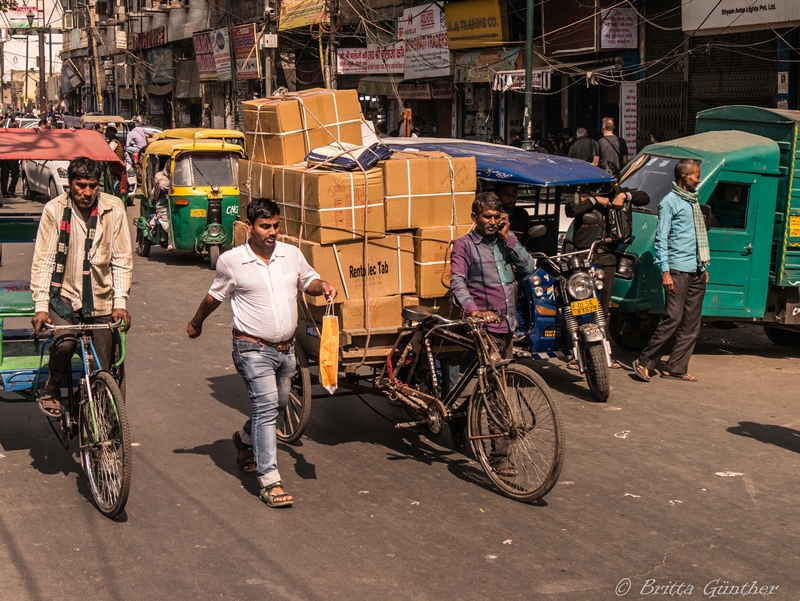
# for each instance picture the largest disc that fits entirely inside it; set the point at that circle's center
(388, 514)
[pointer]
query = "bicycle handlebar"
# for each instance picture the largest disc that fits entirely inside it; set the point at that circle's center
(83, 327)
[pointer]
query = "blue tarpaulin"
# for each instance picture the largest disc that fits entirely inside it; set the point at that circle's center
(509, 164)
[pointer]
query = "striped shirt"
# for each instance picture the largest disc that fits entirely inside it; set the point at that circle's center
(482, 275)
(110, 256)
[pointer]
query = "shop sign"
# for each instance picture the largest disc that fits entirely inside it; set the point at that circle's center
(713, 16)
(425, 33)
(515, 80)
(244, 49)
(302, 13)
(150, 39)
(17, 17)
(121, 40)
(481, 65)
(475, 23)
(222, 53)
(351, 61)
(414, 91)
(629, 115)
(442, 89)
(204, 55)
(160, 65)
(383, 60)
(618, 28)
(108, 73)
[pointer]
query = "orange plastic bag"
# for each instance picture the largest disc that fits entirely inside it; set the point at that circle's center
(329, 351)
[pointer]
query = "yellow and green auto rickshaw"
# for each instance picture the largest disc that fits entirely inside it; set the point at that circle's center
(190, 197)
(199, 134)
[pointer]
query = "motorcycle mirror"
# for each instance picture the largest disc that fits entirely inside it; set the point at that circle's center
(537, 231)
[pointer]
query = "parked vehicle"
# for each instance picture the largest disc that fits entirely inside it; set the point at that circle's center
(44, 177)
(749, 194)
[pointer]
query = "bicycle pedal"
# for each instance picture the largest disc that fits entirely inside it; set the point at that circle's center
(411, 424)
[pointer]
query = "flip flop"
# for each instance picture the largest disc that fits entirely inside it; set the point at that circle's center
(681, 377)
(49, 402)
(615, 364)
(573, 365)
(641, 372)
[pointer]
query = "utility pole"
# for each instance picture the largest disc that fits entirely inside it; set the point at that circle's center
(330, 62)
(42, 81)
(234, 84)
(95, 55)
(526, 138)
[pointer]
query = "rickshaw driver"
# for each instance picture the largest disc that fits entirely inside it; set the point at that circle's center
(260, 279)
(81, 272)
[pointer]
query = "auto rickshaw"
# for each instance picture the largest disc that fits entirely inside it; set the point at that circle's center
(202, 201)
(204, 133)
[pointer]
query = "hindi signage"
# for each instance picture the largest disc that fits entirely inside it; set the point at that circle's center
(383, 60)
(618, 28)
(351, 61)
(424, 31)
(629, 115)
(204, 55)
(302, 13)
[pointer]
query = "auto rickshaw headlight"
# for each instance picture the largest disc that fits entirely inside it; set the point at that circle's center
(213, 230)
(215, 188)
(538, 292)
(580, 286)
(625, 268)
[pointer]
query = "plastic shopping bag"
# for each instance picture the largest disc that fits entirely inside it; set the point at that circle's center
(329, 351)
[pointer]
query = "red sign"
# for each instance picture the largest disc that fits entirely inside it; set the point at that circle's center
(149, 39)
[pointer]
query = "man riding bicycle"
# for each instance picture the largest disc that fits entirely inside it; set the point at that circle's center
(81, 272)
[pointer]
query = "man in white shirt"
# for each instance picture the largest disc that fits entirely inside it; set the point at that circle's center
(261, 279)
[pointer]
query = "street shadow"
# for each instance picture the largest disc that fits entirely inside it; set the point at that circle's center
(231, 392)
(160, 254)
(780, 436)
(223, 454)
(566, 381)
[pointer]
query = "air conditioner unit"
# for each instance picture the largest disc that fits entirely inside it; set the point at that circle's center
(68, 21)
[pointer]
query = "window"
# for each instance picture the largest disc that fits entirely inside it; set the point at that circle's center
(654, 175)
(729, 206)
(204, 170)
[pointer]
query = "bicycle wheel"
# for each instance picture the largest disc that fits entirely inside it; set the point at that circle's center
(517, 436)
(292, 421)
(105, 445)
(118, 372)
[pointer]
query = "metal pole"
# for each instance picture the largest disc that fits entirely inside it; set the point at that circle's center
(42, 81)
(27, 57)
(526, 138)
(234, 86)
(93, 45)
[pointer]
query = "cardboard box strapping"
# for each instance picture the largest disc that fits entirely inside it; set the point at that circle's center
(256, 179)
(384, 312)
(282, 130)
(390, 268)
(420, 192)
(432, 247)
(335, 202)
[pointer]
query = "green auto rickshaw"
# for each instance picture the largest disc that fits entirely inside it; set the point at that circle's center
(190, 197)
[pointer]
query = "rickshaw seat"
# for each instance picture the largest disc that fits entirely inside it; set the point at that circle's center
(417, 313)
(16, 299)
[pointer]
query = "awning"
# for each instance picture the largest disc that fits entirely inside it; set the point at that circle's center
(155, 90)
(515, 80)
(481, 65)
(56, 145)
(187, 84)
(379, 85)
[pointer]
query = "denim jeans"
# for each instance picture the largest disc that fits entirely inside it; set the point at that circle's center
(267, 373)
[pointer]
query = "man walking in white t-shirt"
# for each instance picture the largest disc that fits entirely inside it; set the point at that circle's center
(261, 279)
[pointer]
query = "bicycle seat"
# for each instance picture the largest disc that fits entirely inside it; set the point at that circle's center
(417, 313)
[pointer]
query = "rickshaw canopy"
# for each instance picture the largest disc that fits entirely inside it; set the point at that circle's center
(57, 145)
(104, 119)
(499, 163)
(174, 146)
(201, 133)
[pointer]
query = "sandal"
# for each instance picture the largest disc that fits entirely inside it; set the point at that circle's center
(504, 468)
(682, 377)
(615, 364)
(641, 372)
(49, 402)
(246, 464)
(573, 365)
(274, 499)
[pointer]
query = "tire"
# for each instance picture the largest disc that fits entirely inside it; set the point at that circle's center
(142, 245)
(106, 460)
(26, 188)
(536, 443)
(783, 337)
(597, 376)
(292, 421)
(213, 254)
(631, 332)
(52, 189)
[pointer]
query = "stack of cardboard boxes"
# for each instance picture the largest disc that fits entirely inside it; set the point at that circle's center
(408, 208)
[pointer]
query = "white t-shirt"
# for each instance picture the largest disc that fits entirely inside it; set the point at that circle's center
(263, 297)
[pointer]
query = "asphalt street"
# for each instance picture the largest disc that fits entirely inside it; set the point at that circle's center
(688, 487)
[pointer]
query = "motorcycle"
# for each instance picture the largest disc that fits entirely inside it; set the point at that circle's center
(562, 315)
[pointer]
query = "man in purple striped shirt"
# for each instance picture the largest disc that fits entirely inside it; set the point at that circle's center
(482, 281)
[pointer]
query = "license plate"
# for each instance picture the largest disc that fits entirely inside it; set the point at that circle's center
(590, 305)
(197, 213)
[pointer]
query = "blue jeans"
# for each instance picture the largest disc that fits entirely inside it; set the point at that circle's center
(267, 372)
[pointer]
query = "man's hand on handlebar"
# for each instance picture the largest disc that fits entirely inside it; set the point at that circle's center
(118, 314)
(486, 316)
(38, 321)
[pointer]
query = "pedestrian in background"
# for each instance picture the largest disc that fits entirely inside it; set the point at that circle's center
(584, 148)
(683, 255)
(612, 148)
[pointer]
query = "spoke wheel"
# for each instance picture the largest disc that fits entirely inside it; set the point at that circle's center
(528, 424)
(597, 377)
(105, 445)
(292, 421)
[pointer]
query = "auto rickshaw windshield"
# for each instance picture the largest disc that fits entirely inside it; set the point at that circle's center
(205, 170)
(654, 175)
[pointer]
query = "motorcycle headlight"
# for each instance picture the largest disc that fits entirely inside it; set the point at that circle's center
(536, 280)
(599, 284)
(580, 286)
(62, 173)
(213, 230)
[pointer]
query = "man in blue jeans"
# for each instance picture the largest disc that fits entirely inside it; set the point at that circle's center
(261, 279)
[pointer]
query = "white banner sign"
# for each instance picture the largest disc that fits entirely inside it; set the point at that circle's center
(351, 61)
(382, 60)
(629, 116)
(712, 16)
(618, 28)
(424, 31)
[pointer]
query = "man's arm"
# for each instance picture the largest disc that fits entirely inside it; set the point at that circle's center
(121, 269)
(207, 306)
(595, 153)
(308, 280)
(459, 269)
(665, 215)
(221, 289)
(44, 263)
(519, 257)
(321, 288)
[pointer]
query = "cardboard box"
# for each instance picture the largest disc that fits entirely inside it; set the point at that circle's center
(239, 233)
(432, 247)
(446, 308)
(390, 268)
(419, 191)
(335, 202)
(256, 179)
(384, 312)
(244, 200)
(281, 131)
